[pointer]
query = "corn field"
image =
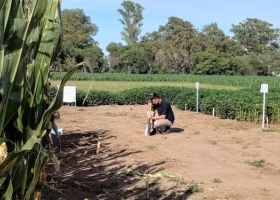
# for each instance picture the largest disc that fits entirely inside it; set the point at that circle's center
(239, 81)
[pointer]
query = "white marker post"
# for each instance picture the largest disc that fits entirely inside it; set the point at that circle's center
(264, 90)
(197, 88)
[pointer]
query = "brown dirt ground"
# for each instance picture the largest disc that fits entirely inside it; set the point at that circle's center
(202, 158)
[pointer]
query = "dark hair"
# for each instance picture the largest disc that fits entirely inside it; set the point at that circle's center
(153, 96)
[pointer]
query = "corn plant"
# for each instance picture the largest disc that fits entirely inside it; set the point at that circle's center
(27, 49)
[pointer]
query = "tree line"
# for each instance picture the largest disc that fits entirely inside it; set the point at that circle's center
(176, 47)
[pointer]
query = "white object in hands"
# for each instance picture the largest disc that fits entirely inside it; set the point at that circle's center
(147, 130)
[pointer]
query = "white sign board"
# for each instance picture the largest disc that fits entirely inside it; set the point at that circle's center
(69, 94)
(264, 88)
(197, 85)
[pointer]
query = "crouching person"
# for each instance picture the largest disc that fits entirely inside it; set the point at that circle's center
(163, 116)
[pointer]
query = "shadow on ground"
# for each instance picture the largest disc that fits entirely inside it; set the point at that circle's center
(84, 174)
(172, 131)
(176, 130)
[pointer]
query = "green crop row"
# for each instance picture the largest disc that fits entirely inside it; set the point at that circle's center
(240, 81)
(242, 105)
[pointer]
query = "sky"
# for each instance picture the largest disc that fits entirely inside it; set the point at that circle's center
(104, 14)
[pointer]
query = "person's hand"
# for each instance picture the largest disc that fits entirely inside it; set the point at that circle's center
(151, 117)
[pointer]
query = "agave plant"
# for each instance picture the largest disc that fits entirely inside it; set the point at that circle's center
(28, 45)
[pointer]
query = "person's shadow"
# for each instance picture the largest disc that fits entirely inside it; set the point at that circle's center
(172, 130)
(176, 130)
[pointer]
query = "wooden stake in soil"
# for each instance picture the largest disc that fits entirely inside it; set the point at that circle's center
(98, 145)
(147, 185)
(266, 122)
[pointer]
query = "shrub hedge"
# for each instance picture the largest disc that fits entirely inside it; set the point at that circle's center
(244, 104)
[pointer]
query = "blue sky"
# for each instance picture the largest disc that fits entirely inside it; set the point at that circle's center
(104, 14)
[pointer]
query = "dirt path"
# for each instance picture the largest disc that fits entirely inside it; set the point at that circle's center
(203, 157)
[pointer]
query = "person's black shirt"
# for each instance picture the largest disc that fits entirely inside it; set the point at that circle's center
(164, 108)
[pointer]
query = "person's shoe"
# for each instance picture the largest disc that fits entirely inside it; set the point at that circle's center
(158, 131)
(153, 132)
(167, 130)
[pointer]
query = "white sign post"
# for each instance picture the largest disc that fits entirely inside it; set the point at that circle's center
(69, 94)
(197, 88)
(264, 90)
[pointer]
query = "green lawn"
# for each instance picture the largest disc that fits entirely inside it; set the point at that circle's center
(115, 86)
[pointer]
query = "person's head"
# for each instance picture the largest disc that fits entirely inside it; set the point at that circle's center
(155, 99)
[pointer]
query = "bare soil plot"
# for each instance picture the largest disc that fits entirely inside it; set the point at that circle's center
(202, 158)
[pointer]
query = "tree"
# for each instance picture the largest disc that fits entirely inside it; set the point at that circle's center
(256, 36)
(93, 57)
(213, 64)
(78, 43)
(131, 20)
(171, 61)
(230, 47)
(115, 50)
(137, 59)
(270, 61)
(211, 38)
(176, 41)
(275, 65)
(178, 33)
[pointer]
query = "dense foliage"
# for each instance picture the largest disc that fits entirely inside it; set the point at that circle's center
(243, 105)
(176, 47)
(78, 44)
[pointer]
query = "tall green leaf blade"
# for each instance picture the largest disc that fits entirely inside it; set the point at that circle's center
(33, 37)
(54, 106)
(42, 62)
(12, 159)
(61, 33)
(16, 94)
(17, 174)
(40, 162)
(5, 6)
(2, 4)
(9, 192)
(12, 58)
(2, 180)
